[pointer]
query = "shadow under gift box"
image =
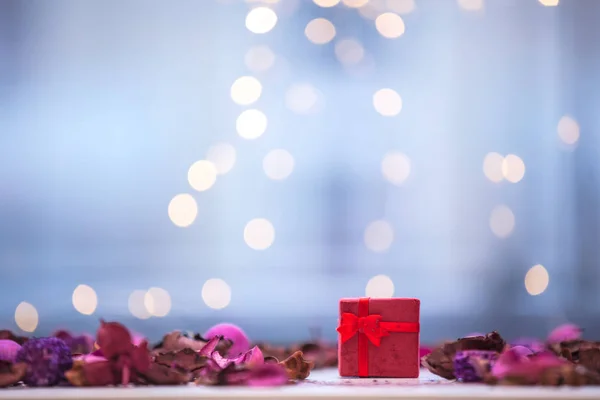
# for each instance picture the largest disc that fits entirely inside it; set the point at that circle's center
(397, 355)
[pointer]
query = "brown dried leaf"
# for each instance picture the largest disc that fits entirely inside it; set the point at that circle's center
(297, 367)
(11, 374)
(186, 359)
(160, 374)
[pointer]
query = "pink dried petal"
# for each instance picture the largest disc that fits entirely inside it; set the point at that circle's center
(221, 361)
(210, 346)
(565, 333)
(89, 358)
(251, 358)
(8, 350)
(239, 339)
(423, 351)
(268, 375)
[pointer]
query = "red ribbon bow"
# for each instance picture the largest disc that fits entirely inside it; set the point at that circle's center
(370, 328)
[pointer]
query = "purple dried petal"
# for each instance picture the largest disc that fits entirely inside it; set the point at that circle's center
(466, 368)
(47, 359)
(565, 333)
(8, 350)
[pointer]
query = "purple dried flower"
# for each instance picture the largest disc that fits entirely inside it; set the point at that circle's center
(8, 350)
(471, 365)
(47, 360)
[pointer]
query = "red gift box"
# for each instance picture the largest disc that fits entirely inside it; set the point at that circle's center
(379, 337)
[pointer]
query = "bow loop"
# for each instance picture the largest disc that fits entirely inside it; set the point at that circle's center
(370, 326)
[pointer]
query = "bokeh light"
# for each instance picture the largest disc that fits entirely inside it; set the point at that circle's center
(259, 234)
(471, 5)
(380, 286)
(183, 210)
(216, 293)
(26, 317)
(261, 20)
(502, 221)
(202, 175)
(222, 155)
(278, 164)
(536, 280)
(492, 167)
(513, 168)
(157, 302)
(355, 3)
(137, 304)
(302, 98)
(349, 51)
(387, 102)
(395, 167)
(379, 236)
(401, 6)
(85, 299)
(549, 3)
(246, 90)
(327, 3)
(568, 130)
(251, 124)
(320, 31)
(390, 25)
(259, 58)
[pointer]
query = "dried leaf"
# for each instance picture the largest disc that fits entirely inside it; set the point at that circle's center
(11, 374)
(160, 374)
(297, 367)
(186, 359)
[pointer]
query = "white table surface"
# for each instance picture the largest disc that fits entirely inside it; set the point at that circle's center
(324, 384)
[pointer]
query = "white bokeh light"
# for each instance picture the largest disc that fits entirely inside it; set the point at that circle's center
(251, 124)
(401, 6)
(202, 175)
(320, 31)
(183, 210)
(513, 168)
(246, 90)
(259, 59)
(222, 155)
(157, 302)
(137, 306)
(349, 51)
(355, 3)
(537, 280)
(278, 164)
(85, 299)
(549, 3)
(379, 236)
(502, 221)
(380, 286)
(259, 234)
(261, 20)
(387, 102)
(216, 294)
(395, 167)
(492, 167)
(390, 25)
(26, 317)
(568, 130)
(302, 98)
(471, 5)
(327, 3)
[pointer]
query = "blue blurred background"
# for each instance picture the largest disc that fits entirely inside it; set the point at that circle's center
(176, 164)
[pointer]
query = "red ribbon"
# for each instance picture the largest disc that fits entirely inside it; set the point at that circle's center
(370, 328)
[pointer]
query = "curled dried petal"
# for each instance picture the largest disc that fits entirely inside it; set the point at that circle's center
(297, 367)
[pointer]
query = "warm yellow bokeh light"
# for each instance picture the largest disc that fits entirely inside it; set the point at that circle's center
(379, 236)
(327, 3)
(137, 304)
(85, 299)
(202, 175)
(390, 25)
(355, 3)
(183, 210)
(387, 102)
(549, 3)
(246, 90)
(259, 234)
(537, 280)
(302, 98)
(568, 130)
(251, 124)
(502, 221)
(492, 167)
(395, 167)
(320, 31)
(157, 301)
(26, 317)
(401, 6)
(471, 5)
(349, 51)
(513, 168)
(278, 164)
(222, 155)
(380, 286)
(261, 20)
(216, 294)
(259, 58)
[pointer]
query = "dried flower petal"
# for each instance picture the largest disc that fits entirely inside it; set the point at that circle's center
(98, 373)
(535, 345)
(8, 335)
(565, 333)
(511, 367)
(160, 374)
(262, 375)
(11, 374)
(187, 359)
(473, 365)
(47, 359)
(8, 350)
(297, 367)
(239, 339)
